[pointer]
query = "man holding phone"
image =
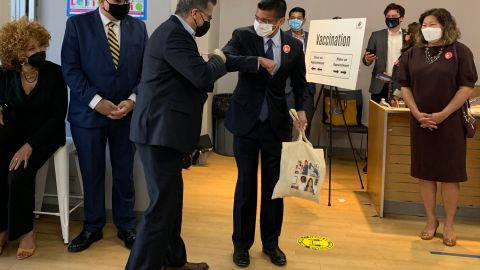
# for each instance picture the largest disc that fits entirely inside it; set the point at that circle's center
(384, 48)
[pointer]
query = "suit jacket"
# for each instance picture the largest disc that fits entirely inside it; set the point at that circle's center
(311, 86)
(88, 66)
(379, 42)
(254, 82)
(39, 118)
(173, 89)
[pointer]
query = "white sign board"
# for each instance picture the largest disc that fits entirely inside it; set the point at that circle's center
(334, 51)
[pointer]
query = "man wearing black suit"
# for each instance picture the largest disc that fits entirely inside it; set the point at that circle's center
(102, 54)
(384, 48)
(166, 124)
(258, 117)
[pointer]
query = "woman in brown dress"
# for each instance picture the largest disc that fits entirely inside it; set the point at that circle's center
(437, 77)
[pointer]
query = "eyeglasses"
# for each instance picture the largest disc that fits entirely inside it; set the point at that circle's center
(260, 20)
(119, 2)
(209, 17)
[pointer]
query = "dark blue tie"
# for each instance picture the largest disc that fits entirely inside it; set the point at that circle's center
(264, 110)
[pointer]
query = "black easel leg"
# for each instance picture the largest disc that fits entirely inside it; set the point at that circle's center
(350, 140)
(330, 150)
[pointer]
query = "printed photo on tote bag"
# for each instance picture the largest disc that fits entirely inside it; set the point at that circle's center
(302, 169)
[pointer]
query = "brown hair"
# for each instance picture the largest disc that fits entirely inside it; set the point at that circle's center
(14, 39)
(450, 31)
(413, 29)
(393, 6)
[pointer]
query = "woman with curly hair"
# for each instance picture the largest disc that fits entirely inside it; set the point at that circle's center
(437, 77)
(33, 105)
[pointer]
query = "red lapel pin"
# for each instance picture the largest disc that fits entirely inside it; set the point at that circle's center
(448, 55)
(286, 48)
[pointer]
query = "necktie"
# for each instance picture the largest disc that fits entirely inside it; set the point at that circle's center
(113, 43)
(264, 110)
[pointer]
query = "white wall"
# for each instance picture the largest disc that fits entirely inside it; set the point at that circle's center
(4, 11)
(235, 14)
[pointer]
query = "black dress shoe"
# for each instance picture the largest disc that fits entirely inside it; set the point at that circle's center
(84, 240)
(241, 257)
(188, 266)
(276, 255)
(128, 237)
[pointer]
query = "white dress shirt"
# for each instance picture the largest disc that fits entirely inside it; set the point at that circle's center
(395, 43)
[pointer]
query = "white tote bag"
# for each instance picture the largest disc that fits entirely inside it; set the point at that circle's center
(302, 169)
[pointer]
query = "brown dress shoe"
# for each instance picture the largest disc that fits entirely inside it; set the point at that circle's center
(188, 266)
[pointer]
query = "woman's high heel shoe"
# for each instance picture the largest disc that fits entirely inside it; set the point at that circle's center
(425, 235)
(450, 242)
(24, 253)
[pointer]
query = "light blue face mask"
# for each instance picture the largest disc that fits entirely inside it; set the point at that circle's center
(295, 24)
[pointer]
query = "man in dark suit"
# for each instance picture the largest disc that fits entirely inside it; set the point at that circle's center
(259, 119)
(166, 124)
(384, 48)
(102, 55)
(296, 21)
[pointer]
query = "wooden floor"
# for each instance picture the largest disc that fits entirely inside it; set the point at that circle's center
(362, 240)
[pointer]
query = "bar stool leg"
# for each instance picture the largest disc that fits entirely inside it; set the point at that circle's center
(40, 181)
(63, 189)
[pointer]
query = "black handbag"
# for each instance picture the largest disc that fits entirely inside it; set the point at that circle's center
(468, 120)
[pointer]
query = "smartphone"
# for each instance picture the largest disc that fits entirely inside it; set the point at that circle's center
(384, 77)
(371, 51)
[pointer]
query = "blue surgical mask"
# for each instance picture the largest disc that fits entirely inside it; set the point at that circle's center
(295, 24)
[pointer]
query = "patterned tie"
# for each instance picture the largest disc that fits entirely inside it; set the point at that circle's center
(113, 43)
(264, 110)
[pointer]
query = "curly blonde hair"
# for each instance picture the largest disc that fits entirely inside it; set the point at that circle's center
(14, 39)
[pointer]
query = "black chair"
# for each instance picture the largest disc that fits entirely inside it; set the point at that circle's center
(340, 98)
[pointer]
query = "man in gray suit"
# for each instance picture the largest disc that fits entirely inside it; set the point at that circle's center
(296, 21)
(384, 48)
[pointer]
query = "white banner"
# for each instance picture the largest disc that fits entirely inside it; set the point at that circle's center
(334, 51)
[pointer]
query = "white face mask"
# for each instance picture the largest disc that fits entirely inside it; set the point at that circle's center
(263, 29)
(431, 34)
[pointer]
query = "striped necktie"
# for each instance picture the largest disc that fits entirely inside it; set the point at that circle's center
(113, 43)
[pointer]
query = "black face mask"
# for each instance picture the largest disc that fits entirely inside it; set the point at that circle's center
(119, 12)
(392, 22)
(202, 30)
(38, 59)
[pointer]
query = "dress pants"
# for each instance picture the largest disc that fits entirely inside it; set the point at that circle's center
(246, 149)
(17, 188)
(91, 148)
(158, 241)
(383, 94)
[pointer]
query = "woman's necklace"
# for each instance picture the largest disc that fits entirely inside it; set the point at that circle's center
(432, 59)
(30, 77)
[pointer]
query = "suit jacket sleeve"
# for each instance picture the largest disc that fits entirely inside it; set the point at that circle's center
(57, 111)
(299, 83)
(183, 56)
(145, 39)
(235, 60)
(71, 65)
(371, 45)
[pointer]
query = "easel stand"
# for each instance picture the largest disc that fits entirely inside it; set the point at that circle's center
(330, 144)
